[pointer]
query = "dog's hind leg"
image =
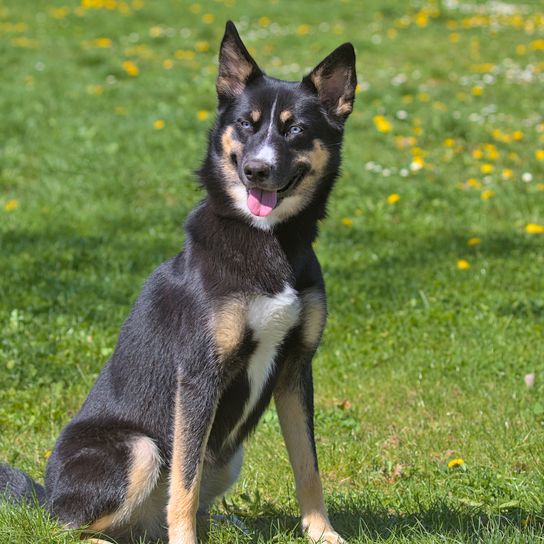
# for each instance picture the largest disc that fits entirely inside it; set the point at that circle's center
(99, 477)
(216, 480)
(194, 411)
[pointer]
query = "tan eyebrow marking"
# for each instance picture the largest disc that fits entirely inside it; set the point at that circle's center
(255, 115)
(285, 116)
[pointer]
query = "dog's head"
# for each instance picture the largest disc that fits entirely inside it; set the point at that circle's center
(275, 146)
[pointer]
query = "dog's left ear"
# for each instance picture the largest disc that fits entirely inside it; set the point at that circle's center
(236, 66)
(334, 80)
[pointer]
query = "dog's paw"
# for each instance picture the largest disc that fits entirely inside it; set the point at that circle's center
(319, 534)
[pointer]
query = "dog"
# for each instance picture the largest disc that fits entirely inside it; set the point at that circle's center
(219, 329)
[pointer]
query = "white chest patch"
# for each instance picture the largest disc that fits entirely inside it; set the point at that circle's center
(270, 319)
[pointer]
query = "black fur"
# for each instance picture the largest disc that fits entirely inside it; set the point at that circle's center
(165, 347)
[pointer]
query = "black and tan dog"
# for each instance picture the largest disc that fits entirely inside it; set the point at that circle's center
(231, 321)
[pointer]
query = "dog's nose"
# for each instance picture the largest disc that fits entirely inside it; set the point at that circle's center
(257, 171)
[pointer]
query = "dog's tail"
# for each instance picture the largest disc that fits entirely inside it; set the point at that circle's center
(17, 487)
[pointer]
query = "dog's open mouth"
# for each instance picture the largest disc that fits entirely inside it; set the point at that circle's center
(261, 202)
(294, 181)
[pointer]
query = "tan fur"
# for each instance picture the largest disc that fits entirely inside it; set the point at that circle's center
(314, 314)
(228, 325)
(317, 159)
(142, 478)
(285, 116)
(255, 116)
(230, 145)
(344, 107)
(183, 503)
(233, 81)
(315, 521)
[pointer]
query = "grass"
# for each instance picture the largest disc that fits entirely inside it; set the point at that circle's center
(422, 361)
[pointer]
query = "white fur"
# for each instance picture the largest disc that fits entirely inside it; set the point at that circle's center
(266, 151)
(267, 154)
(270, 319)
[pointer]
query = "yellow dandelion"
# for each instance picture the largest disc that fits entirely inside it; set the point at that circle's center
(302, 30)
(155, 31)
(474, 241)
(202, 115)
(477, 90)
(486, 168)
(167, 64)
(540, 186)
(422, 19)
(454, 37)
(264, 21)
(208, 18)
(184, 54)
(456, 462)
(486, 195)
(59, 13)
(158, 124)
(423, 97)
(392, 33)
(448, 142)
(463, 264)
(537, 45)
(517, 135)
(95, 90)
(417, 164)
(393, 198)
(473, 182)
(534, 228)
(382, 124)
(539, 154)
(202, 46)
(491, 152)
(103, 43)
(47, 454)
(347, 222)
(358, 89)
(482, 68)
(130, 68)
(407, 99)
(11, 205)
(24, 42)
(507, 173)
(477, 154)
(195, 8)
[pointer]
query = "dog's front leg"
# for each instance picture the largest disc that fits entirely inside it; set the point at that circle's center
(194, 411)
(294, 403)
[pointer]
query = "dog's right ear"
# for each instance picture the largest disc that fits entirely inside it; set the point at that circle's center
(236, 66)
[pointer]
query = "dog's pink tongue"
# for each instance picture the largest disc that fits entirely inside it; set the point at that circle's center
(261, 202)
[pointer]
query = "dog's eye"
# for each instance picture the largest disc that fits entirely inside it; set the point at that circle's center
(243, 123)
(295, 129)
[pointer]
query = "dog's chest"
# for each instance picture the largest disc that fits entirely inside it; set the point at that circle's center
(269, 318)
(266, 320)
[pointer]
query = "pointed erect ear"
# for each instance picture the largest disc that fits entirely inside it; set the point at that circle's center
(334, 80)
(236, 66)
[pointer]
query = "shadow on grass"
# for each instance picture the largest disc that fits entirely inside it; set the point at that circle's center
(391, 268)
(377, 523)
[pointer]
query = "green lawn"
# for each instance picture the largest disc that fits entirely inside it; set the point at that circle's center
(433, 251)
